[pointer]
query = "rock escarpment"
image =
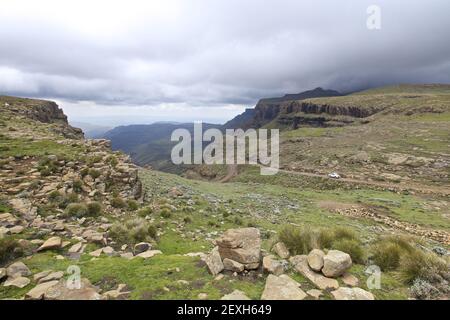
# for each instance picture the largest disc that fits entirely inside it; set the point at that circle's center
(43, 111)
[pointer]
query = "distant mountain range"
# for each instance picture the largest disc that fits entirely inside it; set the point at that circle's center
(151, 145)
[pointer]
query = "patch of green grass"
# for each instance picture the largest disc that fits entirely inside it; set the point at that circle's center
(26, 147)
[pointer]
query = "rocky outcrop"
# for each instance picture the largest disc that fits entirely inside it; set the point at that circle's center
(268, 109)
(43, 111)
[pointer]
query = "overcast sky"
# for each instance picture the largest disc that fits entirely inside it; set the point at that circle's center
(118, 62)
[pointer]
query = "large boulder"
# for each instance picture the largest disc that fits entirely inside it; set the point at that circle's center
(214, 262)
(282, 288)
(336, 263)
(344, 293)
(300, 264)
(315, 259)
(241, 245)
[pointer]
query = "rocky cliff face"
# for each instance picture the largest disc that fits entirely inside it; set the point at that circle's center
(42, 111)
(269, 109)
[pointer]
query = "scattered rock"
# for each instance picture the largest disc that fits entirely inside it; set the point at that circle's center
(344, 293)
(235, 295)
(127, 255)
(52, 243)
(62, 291)
(149, 254)
(282, 288)
(335, 263)
(97, 253)
(350, 280)
(19, 282)
(76, 248)
(281, 250)
(40, 275)
(232, 265)
(273, 266)
(52, 276)
(109, 251)
(214, 262)
(202, 296)
(142, 247)
(241, 245)
(120, 293)
(16, 230)
(301, 265)
(316, 294)
(38, 292)
(18, 269)
(315, 259)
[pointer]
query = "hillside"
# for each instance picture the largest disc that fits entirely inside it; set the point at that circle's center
(134, 233)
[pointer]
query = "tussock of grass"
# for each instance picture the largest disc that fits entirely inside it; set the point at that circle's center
(301, 240)
(9, 249)
(133, 231)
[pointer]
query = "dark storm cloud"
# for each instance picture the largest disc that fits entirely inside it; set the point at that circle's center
(214, 53)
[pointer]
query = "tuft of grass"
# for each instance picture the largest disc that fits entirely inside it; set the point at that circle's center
(352, 247)
(77, 210)
(10, 249)
(301, 240)
(133, 231)
(94, 209)
(118, 202)
(132, 205)
(388, 251)
(298, 240)
(425, 266)
(143, 212)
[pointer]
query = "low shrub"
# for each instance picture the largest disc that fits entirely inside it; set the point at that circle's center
(187, 220)
(118, 202)
(77, 210)
(297, 239)
(145, 211)
(77, 186)
(94, 173)
(165, 213)
(10, 249)
(387, 252)
(133, 231)
(94, 209)
(132, 205)
(425, 266)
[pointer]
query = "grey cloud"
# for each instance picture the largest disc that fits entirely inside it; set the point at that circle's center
(213, 53)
